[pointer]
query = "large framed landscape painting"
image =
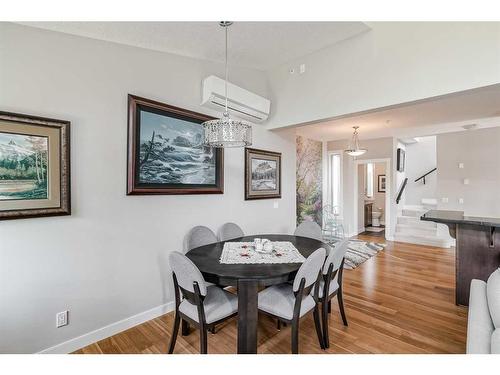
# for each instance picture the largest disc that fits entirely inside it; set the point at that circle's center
(34, 166)
(262, 174)
(166, 154)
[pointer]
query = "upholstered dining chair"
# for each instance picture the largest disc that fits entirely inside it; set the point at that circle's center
(196, 303)
(229, 231)
(309, 229)
(200, 236)
(331, 285)
(290, 302)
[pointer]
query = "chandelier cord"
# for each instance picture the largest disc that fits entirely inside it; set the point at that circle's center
(225, 83)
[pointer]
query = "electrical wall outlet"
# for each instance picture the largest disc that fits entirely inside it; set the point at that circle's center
(461, 200)
(276, 204)
(62, 319)
(461, 165)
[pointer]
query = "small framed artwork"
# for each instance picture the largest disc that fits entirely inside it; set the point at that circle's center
(262, 174)
(166, 154)
(381, 183)
(400, 162)
(34, 166)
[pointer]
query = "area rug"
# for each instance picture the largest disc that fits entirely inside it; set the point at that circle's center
(360, 251)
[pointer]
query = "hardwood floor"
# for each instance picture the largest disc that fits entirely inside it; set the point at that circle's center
(400, 301)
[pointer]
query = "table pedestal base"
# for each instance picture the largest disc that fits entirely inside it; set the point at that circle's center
(247, 316)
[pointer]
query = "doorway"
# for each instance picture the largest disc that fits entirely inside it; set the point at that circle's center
(372, 208)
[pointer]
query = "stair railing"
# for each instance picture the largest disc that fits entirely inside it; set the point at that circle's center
(423, 176)
(401, 190)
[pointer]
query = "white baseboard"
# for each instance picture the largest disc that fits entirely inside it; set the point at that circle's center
(109, 330)
(355, 233)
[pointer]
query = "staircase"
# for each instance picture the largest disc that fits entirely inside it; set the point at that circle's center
(410, 229)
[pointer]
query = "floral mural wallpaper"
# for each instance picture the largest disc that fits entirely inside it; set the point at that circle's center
(309, 182)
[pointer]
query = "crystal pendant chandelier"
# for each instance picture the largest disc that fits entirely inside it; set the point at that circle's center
(226, 132)
(354, 149)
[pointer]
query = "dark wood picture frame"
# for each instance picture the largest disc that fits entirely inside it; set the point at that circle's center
(134, 187)
(381, 189)
(64, 176)
(249, 195)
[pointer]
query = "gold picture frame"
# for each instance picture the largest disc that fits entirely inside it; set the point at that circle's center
(34, 166)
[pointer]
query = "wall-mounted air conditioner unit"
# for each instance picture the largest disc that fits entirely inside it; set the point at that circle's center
(242, 103)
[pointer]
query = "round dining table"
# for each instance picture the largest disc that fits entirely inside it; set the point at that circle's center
(248, 278)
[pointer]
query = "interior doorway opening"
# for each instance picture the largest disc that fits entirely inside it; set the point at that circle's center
(372, 207)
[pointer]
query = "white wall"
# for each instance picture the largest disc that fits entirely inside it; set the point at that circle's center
(393, 63)
(479, 151)
(381, 148)
(420, 159)
(107, 261)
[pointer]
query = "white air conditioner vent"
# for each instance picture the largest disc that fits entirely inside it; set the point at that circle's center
(241, 102)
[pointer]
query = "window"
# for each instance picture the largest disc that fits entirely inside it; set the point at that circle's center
(335, 180)
(369, 180)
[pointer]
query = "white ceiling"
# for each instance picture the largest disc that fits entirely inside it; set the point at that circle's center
(433, 116)
(258, 45)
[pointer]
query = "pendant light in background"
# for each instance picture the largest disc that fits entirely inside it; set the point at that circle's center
(354, 149)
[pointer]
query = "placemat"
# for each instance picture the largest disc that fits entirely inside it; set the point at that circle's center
(244, 253)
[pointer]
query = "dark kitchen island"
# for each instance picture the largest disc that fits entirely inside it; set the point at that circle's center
(477, 247)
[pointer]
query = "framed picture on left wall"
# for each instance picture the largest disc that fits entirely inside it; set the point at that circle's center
(34, 166)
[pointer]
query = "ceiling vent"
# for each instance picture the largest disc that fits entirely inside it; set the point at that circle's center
(470, 126)
(240, 102)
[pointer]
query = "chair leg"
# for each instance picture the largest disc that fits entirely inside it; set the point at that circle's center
(324, 312)
(203, 339)
(329, 306)
(279, 325)
(173, 339)
(212, 330)
(341, 307)
(318, 326)
(185, 328)
(295, 336)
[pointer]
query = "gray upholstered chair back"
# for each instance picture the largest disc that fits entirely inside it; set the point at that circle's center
(336, 255)
(186, 272)
(200, 236)
(229, 231)
(309, 270)
(309, 229)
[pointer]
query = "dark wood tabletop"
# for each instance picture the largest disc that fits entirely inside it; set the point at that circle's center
(249, 277)
(207, 258)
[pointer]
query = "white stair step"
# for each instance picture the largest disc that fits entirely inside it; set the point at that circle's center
(415, 221)
(414, 212)
(429, 202)
(416, 230)
(424, 240)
